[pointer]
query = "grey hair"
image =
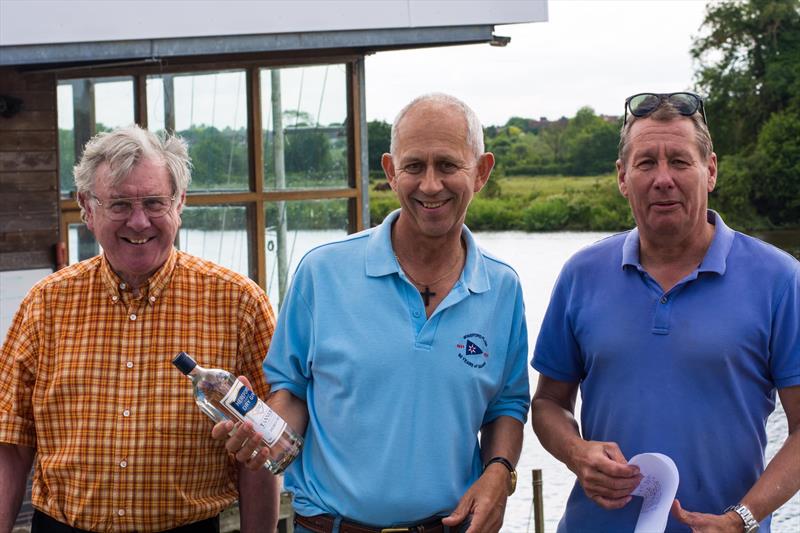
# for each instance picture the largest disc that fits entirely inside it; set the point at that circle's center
(124, 148)
(664, 113)
(474, 128)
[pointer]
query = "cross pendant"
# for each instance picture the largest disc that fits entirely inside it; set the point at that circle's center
(426, 295)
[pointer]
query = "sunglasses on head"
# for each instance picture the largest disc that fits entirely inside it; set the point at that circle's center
(642, 104)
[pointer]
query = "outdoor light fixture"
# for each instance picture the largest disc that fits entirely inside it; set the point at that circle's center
(499, 40)
(9, 106)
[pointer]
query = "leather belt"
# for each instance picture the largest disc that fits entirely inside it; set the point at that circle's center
(324, 524)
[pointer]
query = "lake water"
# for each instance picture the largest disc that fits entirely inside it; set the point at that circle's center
(537, 257)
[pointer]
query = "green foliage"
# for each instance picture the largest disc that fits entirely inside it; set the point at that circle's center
(379, 135)
(538, 204)
(750, 69)
(583, 146)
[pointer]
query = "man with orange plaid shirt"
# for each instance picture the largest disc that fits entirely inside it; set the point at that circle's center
(87, 392)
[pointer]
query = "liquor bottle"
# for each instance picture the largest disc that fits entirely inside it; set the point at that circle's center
(223, 397)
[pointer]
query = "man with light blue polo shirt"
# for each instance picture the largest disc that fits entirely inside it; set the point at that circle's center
(400, 344)
(678, 334)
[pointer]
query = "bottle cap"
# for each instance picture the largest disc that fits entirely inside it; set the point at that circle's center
(184, 362)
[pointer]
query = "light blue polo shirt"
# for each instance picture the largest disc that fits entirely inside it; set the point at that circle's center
(690, 373)
(395, 400)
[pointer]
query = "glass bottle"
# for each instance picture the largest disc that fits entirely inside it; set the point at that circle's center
(223, 397)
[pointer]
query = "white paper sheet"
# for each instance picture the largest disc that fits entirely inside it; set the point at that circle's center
(658, 487)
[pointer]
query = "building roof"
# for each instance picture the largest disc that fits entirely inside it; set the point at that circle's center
(53, 32)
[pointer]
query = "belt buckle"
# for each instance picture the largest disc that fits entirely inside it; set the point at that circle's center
(395, 529)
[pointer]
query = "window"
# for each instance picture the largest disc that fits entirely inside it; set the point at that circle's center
(276, 165)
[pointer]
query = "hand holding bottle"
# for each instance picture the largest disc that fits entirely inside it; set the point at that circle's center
(225, 399)
(243, 440)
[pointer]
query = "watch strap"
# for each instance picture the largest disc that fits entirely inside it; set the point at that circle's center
(750, 523)
(511, 470)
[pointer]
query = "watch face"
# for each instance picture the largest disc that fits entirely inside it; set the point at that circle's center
(513, 483)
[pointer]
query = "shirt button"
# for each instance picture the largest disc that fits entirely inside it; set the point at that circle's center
(152, 298)
(664, 299)
(122, 286)
(123, 464)
(416, 314)
(114, 298)
(126, 413)
(129, 364)
(121, 512)
(133, 316)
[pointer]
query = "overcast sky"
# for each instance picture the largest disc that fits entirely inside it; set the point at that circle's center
(589, 52)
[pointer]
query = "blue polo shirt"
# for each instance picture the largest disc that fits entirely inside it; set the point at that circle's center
(395, 399)
(691, 373)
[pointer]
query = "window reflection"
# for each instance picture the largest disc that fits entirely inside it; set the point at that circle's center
(218, 234)
(304, 111)
(294, 228)
(85, 107)
(210, 112)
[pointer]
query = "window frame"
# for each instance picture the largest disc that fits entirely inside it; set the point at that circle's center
(256, 197)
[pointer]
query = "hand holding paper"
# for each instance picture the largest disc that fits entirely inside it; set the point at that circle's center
(658, 488)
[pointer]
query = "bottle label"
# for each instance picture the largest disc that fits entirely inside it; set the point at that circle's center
(246, 405)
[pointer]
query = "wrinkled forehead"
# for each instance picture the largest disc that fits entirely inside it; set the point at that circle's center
(671, 135)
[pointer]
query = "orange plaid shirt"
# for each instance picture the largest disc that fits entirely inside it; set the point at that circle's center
(86, 378)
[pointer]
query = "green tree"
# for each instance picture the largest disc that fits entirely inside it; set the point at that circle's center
(749, 57)
(379, 134)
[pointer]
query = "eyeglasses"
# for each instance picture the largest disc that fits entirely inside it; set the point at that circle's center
(643, 104)
(121, 208)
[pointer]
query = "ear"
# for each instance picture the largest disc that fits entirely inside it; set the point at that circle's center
(712, 172)
(388, 169)
(84, 200)
(181, 203)
(621, 176)
(485, 166)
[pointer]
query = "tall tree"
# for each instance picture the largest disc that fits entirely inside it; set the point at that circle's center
(749, 59)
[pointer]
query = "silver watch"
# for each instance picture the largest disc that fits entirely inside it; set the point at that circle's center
(750, 522)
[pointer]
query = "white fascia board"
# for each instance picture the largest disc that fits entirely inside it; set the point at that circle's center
(30, 22)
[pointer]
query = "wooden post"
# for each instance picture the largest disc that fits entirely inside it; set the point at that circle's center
(538, 501)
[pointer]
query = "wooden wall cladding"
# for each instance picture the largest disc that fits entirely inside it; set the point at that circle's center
(29, 172)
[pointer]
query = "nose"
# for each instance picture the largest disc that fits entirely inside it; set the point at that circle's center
(663, 176)
(430, 183)
(138, 219)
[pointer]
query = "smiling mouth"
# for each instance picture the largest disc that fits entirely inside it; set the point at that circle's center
(432, 205)
(137, 241)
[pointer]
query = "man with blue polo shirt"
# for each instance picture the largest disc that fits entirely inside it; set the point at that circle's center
(400, 344)
(678, 333)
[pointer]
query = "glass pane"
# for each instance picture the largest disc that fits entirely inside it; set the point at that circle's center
(306, 224)
(85, 107)
(307, 107)
(82, 244)
(216, 233)
(210, 112)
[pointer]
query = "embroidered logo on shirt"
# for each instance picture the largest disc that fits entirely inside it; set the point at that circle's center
(472, 350)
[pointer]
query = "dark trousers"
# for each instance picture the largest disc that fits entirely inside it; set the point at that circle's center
(43, 523)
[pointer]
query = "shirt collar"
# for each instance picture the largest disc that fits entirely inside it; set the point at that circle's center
(716, 256)
(381, 261)
(155, 285)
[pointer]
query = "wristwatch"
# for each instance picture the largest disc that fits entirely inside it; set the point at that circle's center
(512, 485)
(750, 522)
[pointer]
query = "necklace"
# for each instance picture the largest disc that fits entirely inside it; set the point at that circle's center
(426, 294)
